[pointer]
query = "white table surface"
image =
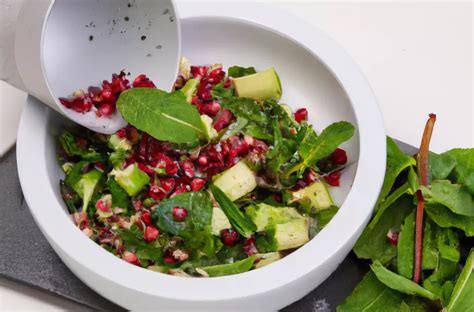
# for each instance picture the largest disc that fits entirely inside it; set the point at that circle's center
(416, 56)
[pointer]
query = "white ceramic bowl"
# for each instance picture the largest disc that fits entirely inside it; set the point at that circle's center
(316, 74)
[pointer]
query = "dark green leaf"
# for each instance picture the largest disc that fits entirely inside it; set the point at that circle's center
(462, 298)
(430, 253)
(402, 190)
(165, 116)
(234, 128)
(219, 91)
(370, 295)
(314, 148)
(230, 268)
(246, 108)
(255, 131)
(441, 165)
(237, 71)
(454, 196)
(69, 145)
(231, 254)
(134, 242)
(400, 283)
(447, 241)
(281, 152)
(373, 243)
(464, 170)
(239, 221)
(406, 247)
(444, 217)
(70, 197)
(444, 272)
(397, 161)
(120, 197)
(199, 207)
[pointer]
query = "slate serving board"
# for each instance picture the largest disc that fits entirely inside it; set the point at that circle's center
(26, 256)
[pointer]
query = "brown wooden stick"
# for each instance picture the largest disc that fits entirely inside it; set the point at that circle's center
(423, 171)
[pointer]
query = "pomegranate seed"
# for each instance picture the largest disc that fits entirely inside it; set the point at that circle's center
(392, 237)
(145, 168)
(132, 134)
(197, 184)
(169, 259)
(105, 109)
(181, 188)
(151, 233)
(167, 184)
(227, 83)
(333, 178)
(338, 157)
(130, 258)
(278, 198)
(249, 247)
(310, 177)
(95, 93)
(215, 76)
(80, 104)
(99, 166)
(223, 120)
(203, 160)
(204, 94)
(211, 108)
(137, 204)
(121, 133)
(194, 99)
(301, 114)
(146, 217)
(171, 168)
(199, 71)
(188, 167)
(142, 81)
(179, 214)
(229, 237)
(102, 206)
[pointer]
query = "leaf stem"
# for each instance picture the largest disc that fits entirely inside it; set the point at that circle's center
(423, 166)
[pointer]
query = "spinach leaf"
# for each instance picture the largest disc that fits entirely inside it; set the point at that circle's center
(120, 197)
(441, 165)
(445, 271)
(447, 241)
(135, 243)
(399, 283)
(70, 146)
(402, 190)
(430, 253)
(373, 243)
(231, 268)
(454, 196)
(314, 148)
(370, 295)
(444, 217)
(464, 170)
(237, 71)
(239, 221)
(406, 247)
(397, 161)
(462, 298)
(199, 207)
(219, 91)
(246, 108)
(165, 116)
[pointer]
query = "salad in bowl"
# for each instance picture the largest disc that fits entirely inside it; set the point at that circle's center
(215, 178)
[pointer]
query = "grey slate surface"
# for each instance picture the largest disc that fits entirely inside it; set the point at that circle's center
(26, 256)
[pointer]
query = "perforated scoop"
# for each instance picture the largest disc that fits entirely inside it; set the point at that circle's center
(65, 45)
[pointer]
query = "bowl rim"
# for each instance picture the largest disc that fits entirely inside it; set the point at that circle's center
(353, 214)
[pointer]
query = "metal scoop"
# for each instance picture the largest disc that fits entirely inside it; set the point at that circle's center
(65, 45)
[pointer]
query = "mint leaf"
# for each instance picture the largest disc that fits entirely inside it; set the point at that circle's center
(165, 116)
(237, 71)
(454, 196)
(313, 148)
(464, 170)
(400, 283)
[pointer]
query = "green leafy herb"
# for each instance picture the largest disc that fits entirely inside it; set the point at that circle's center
(462, 298)
(325, 215)
(399, 283)
(234, 128)
(444, 217)
(406, 247)
(281, 152)
(70, 146)
(239, 221)
(464, 170)
(237, 71)
(444, 272)
(230, 268)
(314, 148)
(120, 197)
(165, 116)
(199, 207)
(83, 184)
(373, 244)
(441, 165)
(430, 257)
(70, 197)
(454, 196)
(397, 161)
(134, 242)
(447, 241)
(219, 91)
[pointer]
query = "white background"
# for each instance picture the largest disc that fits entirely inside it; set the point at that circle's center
(416, 56)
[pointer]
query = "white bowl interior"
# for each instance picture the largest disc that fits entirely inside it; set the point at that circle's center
(306, 82)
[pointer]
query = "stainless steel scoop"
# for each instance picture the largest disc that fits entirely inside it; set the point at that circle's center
(64, 45)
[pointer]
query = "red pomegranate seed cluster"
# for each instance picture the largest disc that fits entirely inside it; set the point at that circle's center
(104, 98)
(208, 78)
(229, 237)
